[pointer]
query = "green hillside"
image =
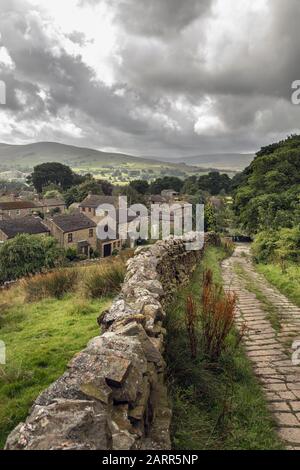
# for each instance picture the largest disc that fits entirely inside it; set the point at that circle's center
(268, 191)
(115, 167)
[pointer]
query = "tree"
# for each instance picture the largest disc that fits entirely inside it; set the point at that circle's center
(190, 185)
(80, 192)
(277, 245)
(28, 254)
(141, 186)
(210, 221)
(167, 182)
(51, 173)
(214, 183)
(266, 195)
(133, 197)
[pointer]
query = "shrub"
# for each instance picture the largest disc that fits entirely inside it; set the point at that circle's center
(82, 257)
(228, 246)
(55, 284)
(104, 280)
(217, 316)
(95, 254)
(71, 254)
(28, 254)
(277, 246)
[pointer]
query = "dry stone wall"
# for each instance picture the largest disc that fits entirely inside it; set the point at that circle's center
(113, 394)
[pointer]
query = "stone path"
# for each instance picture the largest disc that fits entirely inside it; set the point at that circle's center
(269, 348)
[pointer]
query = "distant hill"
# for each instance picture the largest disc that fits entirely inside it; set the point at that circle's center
(222, 161)
(40, 152)
(118, 168)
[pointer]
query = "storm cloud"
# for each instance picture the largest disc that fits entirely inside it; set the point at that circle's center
(150, 77)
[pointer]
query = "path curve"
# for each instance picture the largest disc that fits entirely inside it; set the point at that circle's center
(268, 346)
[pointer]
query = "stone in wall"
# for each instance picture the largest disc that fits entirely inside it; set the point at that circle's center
(113, 394)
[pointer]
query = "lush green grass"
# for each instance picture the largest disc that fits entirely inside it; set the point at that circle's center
(40, 339)
(215, 406)
(272, 312)
(287, 282)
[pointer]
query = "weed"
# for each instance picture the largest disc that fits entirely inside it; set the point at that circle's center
(217, 316)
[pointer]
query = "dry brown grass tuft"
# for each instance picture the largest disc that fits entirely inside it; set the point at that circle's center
(104, 279)
(217, 316)
(54, 284)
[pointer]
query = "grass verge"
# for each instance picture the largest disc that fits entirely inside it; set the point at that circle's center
(272, 312)
(287, 282)
(215, 406)
(40, 339)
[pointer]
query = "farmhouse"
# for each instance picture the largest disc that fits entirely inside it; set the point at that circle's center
(15, 209)
(52, 205)
(74, 231)
(89, 205)
(31, 225)
(157, 199)
(169, 194)
(107, 246)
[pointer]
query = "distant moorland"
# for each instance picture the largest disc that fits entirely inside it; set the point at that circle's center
(115, 167)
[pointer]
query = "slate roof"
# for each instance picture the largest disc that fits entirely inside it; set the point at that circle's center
(12, 205)
(94, 200)
(51, 202)
(156, 198)
(30, 225)
(73, 222)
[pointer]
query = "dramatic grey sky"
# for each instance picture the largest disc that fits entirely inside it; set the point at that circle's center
(150, 77)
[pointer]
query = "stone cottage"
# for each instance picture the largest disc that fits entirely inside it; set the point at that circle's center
(107, 246)
(89, 205)
(110, 245)
(31, 225)
(51, 205)
(74, 231)
(15, 209)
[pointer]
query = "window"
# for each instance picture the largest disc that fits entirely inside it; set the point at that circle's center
(18, 212)
(90, 209)
(83, 209)
(91, 233)
(70, 237)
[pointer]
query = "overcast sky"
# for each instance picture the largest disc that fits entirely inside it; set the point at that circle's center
(150, 77)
